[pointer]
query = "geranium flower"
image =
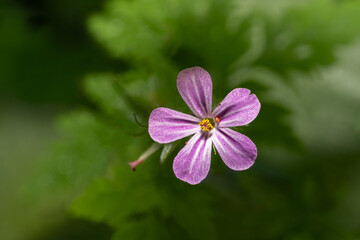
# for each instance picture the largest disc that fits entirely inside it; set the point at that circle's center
(192, 163)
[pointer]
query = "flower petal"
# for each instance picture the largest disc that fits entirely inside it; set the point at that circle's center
(237, 109)
(167, 125)
(195, 87)
(192, 164)
(236, 150)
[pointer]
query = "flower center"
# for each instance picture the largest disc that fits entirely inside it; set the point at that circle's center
(206, 125)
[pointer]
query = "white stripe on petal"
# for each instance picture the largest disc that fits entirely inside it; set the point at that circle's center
(167, 125)
(192, 163)
(195, 87)
(236, 150)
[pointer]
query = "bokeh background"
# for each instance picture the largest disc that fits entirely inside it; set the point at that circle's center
(74, 73)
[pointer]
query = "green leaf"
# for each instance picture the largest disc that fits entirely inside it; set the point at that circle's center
(150, 202)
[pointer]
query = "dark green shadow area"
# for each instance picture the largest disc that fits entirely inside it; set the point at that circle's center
(74, 229)
(46, 50)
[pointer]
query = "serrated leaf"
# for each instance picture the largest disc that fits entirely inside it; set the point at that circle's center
(134, 198)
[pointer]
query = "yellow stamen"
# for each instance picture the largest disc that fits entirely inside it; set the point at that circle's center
(205, 125)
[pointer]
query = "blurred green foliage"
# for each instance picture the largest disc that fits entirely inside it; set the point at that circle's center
(45, 50)
(299, 57)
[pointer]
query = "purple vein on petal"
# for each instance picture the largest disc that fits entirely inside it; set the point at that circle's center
(236, 150)
(167, 125)
(195, 87)
(238, 108)
(192, 163)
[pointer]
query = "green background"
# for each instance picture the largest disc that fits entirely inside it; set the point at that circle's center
(74, 73)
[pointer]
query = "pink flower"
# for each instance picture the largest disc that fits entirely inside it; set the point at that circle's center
(192, 163)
